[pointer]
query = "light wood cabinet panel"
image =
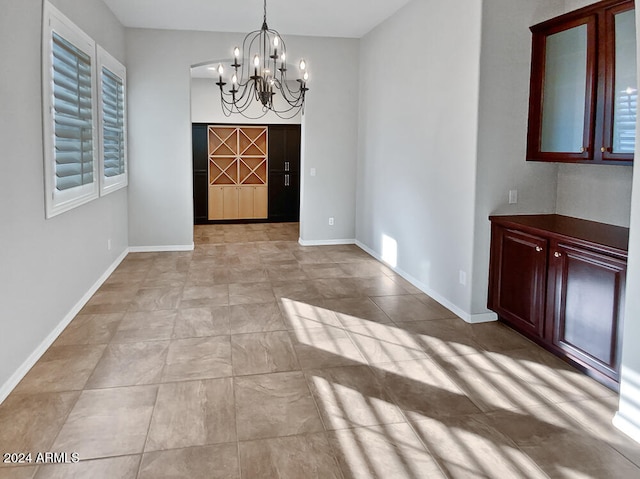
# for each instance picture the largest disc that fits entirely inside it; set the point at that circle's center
(216, 202)
(237, 202)
(245, 202)
(230, 202)
(260, 206)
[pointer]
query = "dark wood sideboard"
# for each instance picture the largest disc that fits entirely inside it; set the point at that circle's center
(560, 281)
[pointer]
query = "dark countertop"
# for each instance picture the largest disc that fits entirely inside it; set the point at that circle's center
(613, 238)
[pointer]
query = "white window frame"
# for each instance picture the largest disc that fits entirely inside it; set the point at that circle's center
(106, 60)
(56, 201)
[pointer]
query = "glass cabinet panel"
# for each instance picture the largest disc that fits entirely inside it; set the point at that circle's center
(584, 88)
(626, 85)
(565, 89)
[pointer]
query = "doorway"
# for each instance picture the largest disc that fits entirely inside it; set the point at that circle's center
(246, 173)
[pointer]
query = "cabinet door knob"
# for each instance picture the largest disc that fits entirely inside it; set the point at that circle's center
(604, 149)
(557, 254)
(538, 249)
(582, 149)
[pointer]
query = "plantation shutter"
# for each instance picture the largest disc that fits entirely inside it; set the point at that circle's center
(73, 120)
(113, 124)
(624, 128)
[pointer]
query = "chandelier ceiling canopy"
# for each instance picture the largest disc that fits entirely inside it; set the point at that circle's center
(260, 74)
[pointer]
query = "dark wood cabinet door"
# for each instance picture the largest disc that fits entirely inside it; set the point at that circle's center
(200, 173)
(284, 196)
(583, 87)
(563, 87)
(284, 148)
(620, 89)
(518, 279)
(587, 302)
(284, 172)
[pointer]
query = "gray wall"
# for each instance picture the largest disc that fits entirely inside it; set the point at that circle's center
(502, 135)
(595, 192)
(431, 191)
(160, 196)
(417, 144)
(46, 266)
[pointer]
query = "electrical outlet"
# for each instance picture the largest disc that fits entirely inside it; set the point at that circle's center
(463, 278)
(331, 221)
(513, 197)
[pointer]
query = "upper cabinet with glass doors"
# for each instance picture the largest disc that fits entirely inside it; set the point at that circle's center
(584, 91)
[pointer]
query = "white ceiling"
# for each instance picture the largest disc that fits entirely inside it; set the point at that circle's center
(332, 18)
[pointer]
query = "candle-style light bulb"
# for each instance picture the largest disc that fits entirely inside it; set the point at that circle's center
(220, 69)
(236, 52)
(283, 57)
(303, 65)
(234, 79)
(256, 61)
(305, 77)
(276, 41)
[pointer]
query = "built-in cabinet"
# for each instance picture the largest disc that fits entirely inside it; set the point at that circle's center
(237, 202)
(560, 281)
(284, 172)
(246, 172)
(583, 92)
(237, 172)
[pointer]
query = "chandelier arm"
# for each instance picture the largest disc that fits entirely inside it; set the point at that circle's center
(293, 93)
(296, 96)
(241, 103)
(228, 97)
(286, 114)
(242, 100)
(291, 101)
(293, 104)
(246, 55)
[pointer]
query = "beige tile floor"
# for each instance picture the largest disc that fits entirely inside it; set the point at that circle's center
(254, 357)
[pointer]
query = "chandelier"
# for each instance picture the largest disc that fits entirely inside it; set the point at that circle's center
(260, 73)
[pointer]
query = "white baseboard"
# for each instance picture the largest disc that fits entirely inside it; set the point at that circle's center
(161, 248)
(20, 373)
(325, 242)
(467, 317)
(629, 428)
(482, 318)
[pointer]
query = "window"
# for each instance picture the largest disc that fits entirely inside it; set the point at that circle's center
(84, 104)
(69, 114)
(113, 134)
